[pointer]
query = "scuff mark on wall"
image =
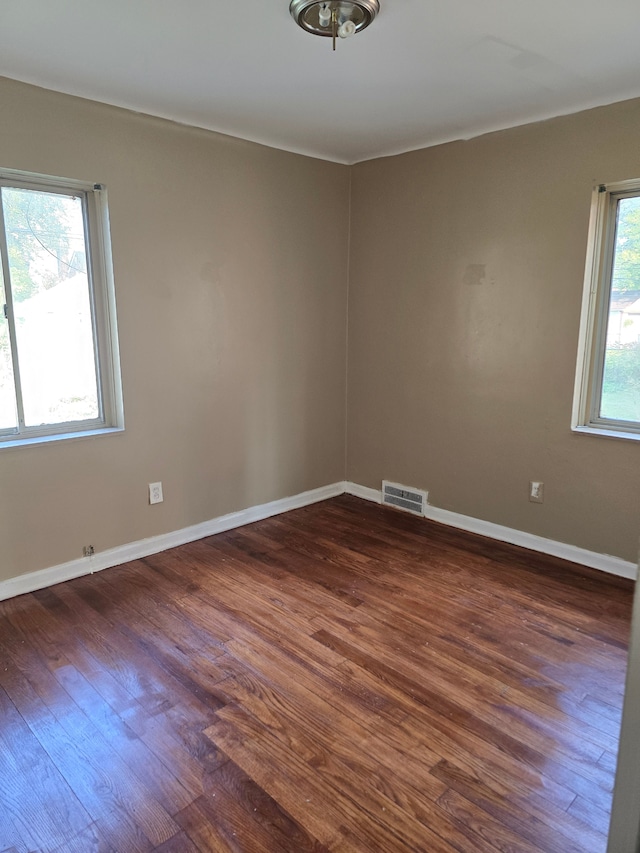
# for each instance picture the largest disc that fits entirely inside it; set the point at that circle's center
(474, 274)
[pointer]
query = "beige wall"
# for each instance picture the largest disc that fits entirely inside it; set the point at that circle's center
(232, 319)
(465, 287)
(466, 276)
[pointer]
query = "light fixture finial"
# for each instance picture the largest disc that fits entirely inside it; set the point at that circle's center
(341, 18)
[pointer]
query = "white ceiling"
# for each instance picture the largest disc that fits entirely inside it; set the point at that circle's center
(426, 71)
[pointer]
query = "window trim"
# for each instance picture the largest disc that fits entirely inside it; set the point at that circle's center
(103, 308)
(595, 315)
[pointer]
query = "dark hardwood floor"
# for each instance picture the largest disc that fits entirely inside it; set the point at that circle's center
(340, 678)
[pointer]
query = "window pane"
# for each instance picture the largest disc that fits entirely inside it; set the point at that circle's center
(52, 311)
(8, 414)
(621, 377)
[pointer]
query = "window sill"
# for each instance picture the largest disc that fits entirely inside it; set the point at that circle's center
(61, 436)
(606, 433)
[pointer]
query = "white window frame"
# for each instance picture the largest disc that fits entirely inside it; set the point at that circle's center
(595, 315)
(103, 308)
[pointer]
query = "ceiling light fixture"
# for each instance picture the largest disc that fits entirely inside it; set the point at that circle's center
(334, 18)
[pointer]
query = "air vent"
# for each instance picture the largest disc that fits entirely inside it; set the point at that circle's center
(402, 497)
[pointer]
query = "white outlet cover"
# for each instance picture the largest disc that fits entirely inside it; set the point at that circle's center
(536, 492)
(155, 493)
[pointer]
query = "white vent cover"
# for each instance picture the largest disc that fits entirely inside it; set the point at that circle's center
(403, 497)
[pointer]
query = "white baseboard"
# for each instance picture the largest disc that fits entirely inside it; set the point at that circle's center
(144, 547)
(373, 495)
(603, 562)
(153, 545)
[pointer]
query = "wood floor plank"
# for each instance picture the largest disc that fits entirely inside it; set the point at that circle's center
(180, 843)
(300, 713)
(562, 837)
(90, 840)
(473, 821)
(459, 659)
(468, 695)
(365, 814)
(448, 711)
(249, 818)
(201, 830)
(340, 679)
(173, 735)
(97, 776)
(106, 722)
(37, 805)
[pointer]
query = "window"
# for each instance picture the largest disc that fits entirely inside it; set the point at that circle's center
(59, 368)
(607, 397)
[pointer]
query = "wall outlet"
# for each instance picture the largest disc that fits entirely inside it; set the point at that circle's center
(88, 551)
(155, 493)
(536, 492)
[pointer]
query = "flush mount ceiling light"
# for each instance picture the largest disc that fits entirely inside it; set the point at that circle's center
(334, 18)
